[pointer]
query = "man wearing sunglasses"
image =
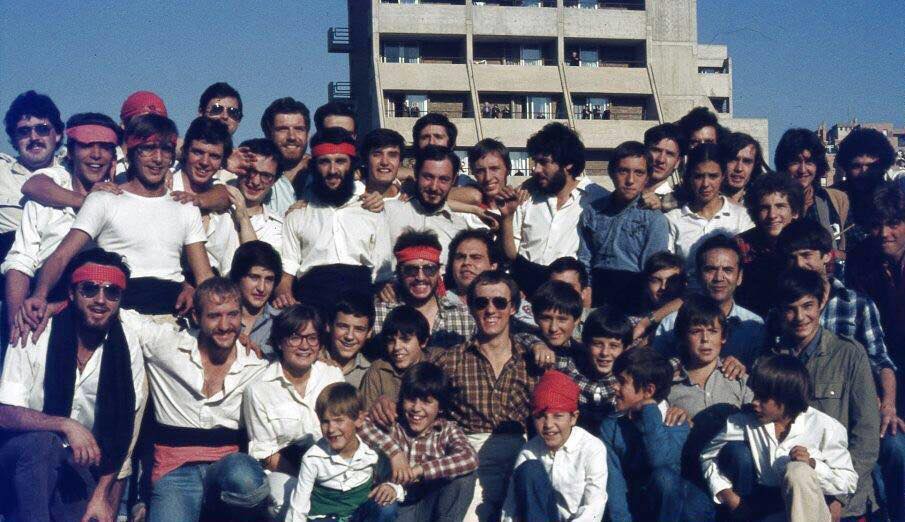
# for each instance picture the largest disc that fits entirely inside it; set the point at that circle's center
(221, 102)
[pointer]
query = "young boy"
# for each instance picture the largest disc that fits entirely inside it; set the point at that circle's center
(430, 455)
(800, 454)
(557, 309)
(348, 331)
(561, 472)
(643, 453)
(404, 336)
(337, 480)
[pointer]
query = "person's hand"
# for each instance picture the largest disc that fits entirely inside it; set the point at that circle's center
(99, 510)
(402, 472)
(544, 357)
(85, 450)
(240, 160)
(800, 454)
(675, 416)
(283, 299)
(383, 412)
(418, 473)
(185, 300)
(733, 369)
(889, 420)
(251, 347)
(835, 510)
(237, 203)
(729, 499)
(372, 202)
(387, 294)
(34, 309)
(650, 200)
(507, 202)
(383, 494)
(640, 329)
(186, 198)
(298, 205)
(404, 197)
(106, 186)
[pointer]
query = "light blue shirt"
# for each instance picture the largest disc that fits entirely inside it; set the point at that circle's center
(747, 336)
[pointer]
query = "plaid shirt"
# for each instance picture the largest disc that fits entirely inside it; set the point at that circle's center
(484, 403)
(850, 314)
(597, 397)
(443, 451)
(454, 323)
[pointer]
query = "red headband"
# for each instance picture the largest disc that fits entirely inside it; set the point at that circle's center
(92, 134)
(554, 392)
(99, 274)
(418, 252)
(322, 149)
(153, 139)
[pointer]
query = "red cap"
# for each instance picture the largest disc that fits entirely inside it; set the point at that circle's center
(142, 102)
(554, 392)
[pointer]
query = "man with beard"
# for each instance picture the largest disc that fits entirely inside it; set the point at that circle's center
(286, 122)
(700, 126)
(333, 244)
(71, 402)
(666, 144)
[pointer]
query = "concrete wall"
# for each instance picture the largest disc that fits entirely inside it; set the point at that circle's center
(421, 19)
(499, 21)
(468, 134)
(513, 133)
(604, 23)
(414, 77)
(517, 78)
(716, 85)
(607, 134)
(622, 80)
(758, 128)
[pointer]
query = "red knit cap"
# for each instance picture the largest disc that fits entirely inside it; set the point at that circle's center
(554, 392)
(142, 102)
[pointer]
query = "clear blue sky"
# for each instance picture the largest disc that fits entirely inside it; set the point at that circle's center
(796, 63)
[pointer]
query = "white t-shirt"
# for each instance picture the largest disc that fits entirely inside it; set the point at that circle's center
(149, 232)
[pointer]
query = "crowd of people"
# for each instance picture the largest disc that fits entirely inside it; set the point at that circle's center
(342, 327)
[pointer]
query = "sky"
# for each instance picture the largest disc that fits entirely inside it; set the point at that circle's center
(795, 63)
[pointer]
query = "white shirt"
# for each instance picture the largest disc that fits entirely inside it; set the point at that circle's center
(223, 239)
(282, 195)
(823, 436)
(544, 233)
(276, 415)
(324, 467)
(578, 473)
(445, 222)
(321, 235)
(12, 176)
(211, 221)
(149, 232)
(688, 230)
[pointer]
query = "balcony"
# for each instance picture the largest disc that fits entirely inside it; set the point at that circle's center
(339, 91)
(622, 80)
(514, 132)
(509, 78)
(424, 76)
(595, 24)
(338, 40)
(716, 85)
(608, 134)
(633, 5)
(433, 19)
(493, 20)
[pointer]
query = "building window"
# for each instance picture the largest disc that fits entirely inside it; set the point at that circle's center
(593, 108)
(398, 52)
(521, 163)
(539, 107)
(531, 55)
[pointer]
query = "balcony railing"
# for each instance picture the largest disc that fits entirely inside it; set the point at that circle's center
(513, 61)
(339, 91)
(416, 112)
(506, 113)
(606, 4)
(585, 112)
(517, 3)
(424, 59)
(338, 40)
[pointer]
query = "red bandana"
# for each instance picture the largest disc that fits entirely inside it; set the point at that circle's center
(92, 134)
(426, 253)
(99, 274)
(322, 149)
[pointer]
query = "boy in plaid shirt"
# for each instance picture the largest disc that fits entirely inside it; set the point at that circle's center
(429, 454)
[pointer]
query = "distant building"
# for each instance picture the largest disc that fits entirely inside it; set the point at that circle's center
(834, 135)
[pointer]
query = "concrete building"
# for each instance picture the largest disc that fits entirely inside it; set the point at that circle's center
(504, 68)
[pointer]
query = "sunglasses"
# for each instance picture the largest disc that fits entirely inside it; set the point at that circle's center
(90, 289)
(500, 303)
(412, 270)
(41, 129)
(234, 113)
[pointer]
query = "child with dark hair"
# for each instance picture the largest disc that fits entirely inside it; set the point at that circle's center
(429, 454)
(800, 453)
(349, 328)
(557, 309)
(404, 337)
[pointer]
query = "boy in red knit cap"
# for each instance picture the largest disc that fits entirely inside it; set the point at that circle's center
(561, 472)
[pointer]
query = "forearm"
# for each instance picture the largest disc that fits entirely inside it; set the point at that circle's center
(16, 292)
(670, 307)
(50, 274)
(114, 489)
(507, 238)
(246, 230)
(215, 199)
(44, 190)
(17, 418)
(887, 386)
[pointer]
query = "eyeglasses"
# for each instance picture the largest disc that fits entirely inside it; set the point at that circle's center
(500, 303)
(429, 270)
(41, 129)
(234, 113)
(146, 151)
(90, 289)
(297, 339)
(265, 177)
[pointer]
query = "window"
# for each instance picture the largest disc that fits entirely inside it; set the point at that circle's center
(417, 103)
(521, 163)
(589, 56)
(531, 55)
(539, 107)
(397, 52)
(592, 108)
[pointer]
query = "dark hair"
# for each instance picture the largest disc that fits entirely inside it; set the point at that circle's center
(94, 118)
(30, 103)
(495, 277)
(437, 153)
(698, 310)
(425, 380)
(405, 320)
(252, 254)
(630, 149)
(666, 131)
(774, 183)
(862, 141)
(804, 234)
(286, 105)
(662, 261)
(435, 118)
(715, 242)
(420, 238)
(218, 90)
(339, 398)
(646, 366)
(792, 143)
(98, 256)
(785, 379)
(561, 143)
(209, 131)
(335, 135)
(889, 205)
(261, 147)
(291, 320)
(697, 119)
(380, 138)
(494, 253)
(489, 146)
(796, 283)
(608, 322)
(733, 142)
(333, 108)
(354, 303)
(702, 154)
(570, 264)
(215, 287)
(557, 296)
(147, 125)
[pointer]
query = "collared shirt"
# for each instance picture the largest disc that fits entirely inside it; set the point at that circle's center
(453, 324)
(747, 335)
(761, 265)
(577, 471)
(356, 373)
(597, 397)
(381, 379)
(850, 314)
(411, 214)
(620, 241)
(12, 176)
(484, 402)
(688, 230)
(282, 195)
(223, 238)
(321, 466)
(348, 234)
(717, 389)
(823, 437)
(260, 330)
(277, 415)
(543, 233)
(442, 451)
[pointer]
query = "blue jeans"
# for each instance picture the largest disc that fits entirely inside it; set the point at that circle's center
(234, 487)
(370, 511)
(889, 475)
(442, 500)
(534, 493)
(663, 496)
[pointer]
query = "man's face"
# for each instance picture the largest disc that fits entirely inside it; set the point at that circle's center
(433, 135)
(420, 414)
(92, 162)
(333, 169)
(706, 181)
(666, 155)
(404, 350)
(774, 213)
(435, 180)
(383, 164)
(720, 273)
(203, 161)
(861, 165)
(35, 140)
(348, 334)
(300, 350)
(660, 283)
(628, 397)
(96, 311)
(153, 163)
(555, 427)
(603, 352)
(801, 319)
(703, 135)
(491, 172)
(810, 259)
(740, 167)
(342, 122)
(630, 177)
(547, 174)
(704, 342)
(256, 286)
(803, 169)
(492, 308)
(257, 181)
(226, 110)
(892, 239)
(419, 279)
(219, 320)
(469, 261)
(556, 327)
(290, 135)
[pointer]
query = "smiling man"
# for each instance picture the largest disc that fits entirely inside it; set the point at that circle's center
(287, 122)
(381, 150)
